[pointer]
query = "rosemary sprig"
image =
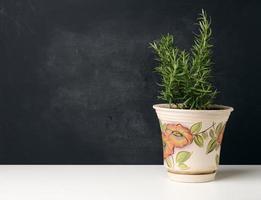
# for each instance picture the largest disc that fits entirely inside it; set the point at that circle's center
(185, 76)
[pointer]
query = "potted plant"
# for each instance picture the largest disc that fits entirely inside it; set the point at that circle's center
(192, 126)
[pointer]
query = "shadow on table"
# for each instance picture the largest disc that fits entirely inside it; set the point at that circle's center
(234, 173)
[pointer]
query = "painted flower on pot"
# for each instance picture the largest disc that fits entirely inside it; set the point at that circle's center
(180, 135)
(168, 146)
(175, 136)
(220, 135)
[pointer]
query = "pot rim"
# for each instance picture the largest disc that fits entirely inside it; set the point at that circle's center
(220, 108)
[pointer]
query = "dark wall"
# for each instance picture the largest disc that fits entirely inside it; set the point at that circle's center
(76, 80)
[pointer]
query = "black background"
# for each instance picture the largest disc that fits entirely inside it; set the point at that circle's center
(77, 85)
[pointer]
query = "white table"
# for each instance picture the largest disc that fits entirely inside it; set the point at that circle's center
(119, 182)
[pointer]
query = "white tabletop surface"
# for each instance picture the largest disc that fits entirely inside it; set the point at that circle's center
(119, 182)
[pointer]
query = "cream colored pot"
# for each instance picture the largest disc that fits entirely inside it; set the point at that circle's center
(192, 141)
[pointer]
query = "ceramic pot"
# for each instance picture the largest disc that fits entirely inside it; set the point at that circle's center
(192, 141)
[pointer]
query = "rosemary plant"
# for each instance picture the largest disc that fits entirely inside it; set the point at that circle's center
(185, 76)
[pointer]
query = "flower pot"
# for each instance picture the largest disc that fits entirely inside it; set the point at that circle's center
(192, 141)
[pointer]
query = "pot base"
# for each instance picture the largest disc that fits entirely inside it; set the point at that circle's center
(187, 178)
